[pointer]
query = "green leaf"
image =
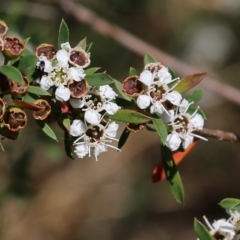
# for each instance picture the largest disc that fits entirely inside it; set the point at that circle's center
(171, 72)
(189, 82)
(66, 121)
(26, 61)
(68, 145)
(88, 47)
(91, 70)
(28, 97)
(12, 73)
(230, 203)
(201, 231)
(148, 59)
(172, 175)
(63, 34)
(83, 44)
(47, 130)
(1, 147)
(130, 116)
(118, 86)
(161, 129)
(132, 71)
(195, 96)
(38, 91)
(98, 79)
(123, 138)
(25, 41)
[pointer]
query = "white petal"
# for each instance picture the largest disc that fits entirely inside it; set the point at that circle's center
(164, 76)
(81, 150)
(146, 77)
(111, 108)
(76, 103)
(183, 107)
(48, 67)
(66, 46)
(174, 97)
(111, 130)
(173, 141)
(63, 56)
(62, 93)
(76, 73)
(157, 108)
(77, 128)
(99, 149)
(143, 101)
(92, 117)
(167, 117)
(197, 121)
(107, 92)
(187, 141)
(45, 82)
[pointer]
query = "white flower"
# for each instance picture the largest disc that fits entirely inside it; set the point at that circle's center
(92, 116)
(62, 93)
(235, 219)
(183, 125)
(76, 103)
(76, 73)
(94, 138)
(143, 101)
(222, 229)
(107, 92)
(111, 108)
(44, 64)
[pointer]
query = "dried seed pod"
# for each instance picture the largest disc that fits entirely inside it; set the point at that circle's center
(47, 50)
(78, 89)
(3, 29)
(43, 113)
(132, 87)
(135, 127)
(13, 47)
(78, 57)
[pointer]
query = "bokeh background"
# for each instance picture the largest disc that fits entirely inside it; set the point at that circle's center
(45, 195)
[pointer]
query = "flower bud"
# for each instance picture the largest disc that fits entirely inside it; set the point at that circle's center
(43, 113)
(13, 47)
(47, 50)
(78, 57)
(15, 119)
(78, 89)
(3, 29)
(132, 87)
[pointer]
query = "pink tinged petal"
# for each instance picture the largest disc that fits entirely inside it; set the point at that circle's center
(76, 103)
(76, 73)
(143, 101)
(187, 141)
(92, 117)
(66, 46)
(174, 97)
(173, 141)
(111, 130)
(77, 128)
(81, 150)
(111, 108)
(99, 149)
(44, 83)
(146, 77)
(62, 93)
(197, 121)
(107, 92)
(62, 56)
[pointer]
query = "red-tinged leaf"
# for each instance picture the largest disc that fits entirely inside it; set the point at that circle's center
(158, 172)
(27, 105)
(189, 82)
(64, 107)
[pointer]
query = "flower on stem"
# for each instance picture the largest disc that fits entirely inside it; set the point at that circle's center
(183, 124)
(96, 137)
(161, 97)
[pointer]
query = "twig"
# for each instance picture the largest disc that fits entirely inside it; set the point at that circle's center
(140, 47)
(218, 134)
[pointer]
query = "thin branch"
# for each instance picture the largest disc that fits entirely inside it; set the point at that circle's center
(140, 47)
(218, 134)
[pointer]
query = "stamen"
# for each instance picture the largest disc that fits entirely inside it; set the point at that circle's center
(207, 222)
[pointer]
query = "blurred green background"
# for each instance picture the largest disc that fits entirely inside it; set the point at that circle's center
(45, 195)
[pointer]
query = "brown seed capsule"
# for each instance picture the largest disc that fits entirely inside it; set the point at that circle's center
(2, 108)
(15, 119)
(78, 57)
(6, 133)
(135, 127)
(47, 50)
(43, 113)
(132, 87)
(19, 88)
(3, 29)
(78, 89)
(13, 47)
(1, 44)
(5, 84)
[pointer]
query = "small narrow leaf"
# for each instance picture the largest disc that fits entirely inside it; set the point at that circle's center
(38, 91)
(172, 175)
(1, 147)
(83, 44)
(68, 145)
(98, 79)
(118, 86)
(123, 138)
(47, 130)
(132, 71)
(171, 72)
(26, 61)
(148, 59)
(25, 41)
(91, 70)
(201, 231)
(230, 203)
(63, 34)
(189, 82)
(130, 116)
(195, 96)
(161, 129)
(66, 121)
(28, 97)
(12, 73)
